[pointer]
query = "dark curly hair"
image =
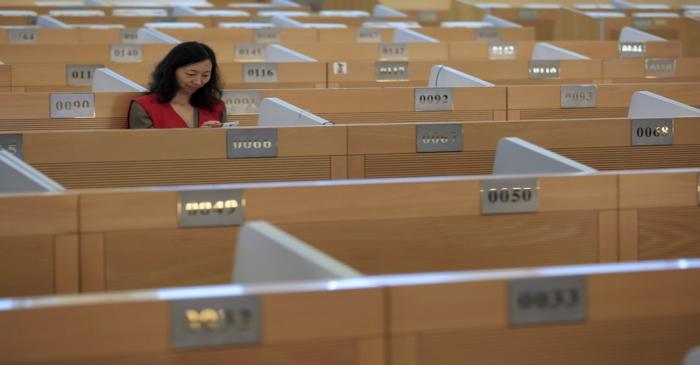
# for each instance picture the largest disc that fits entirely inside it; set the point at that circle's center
(164, 81)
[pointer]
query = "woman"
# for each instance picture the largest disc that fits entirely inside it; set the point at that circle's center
(184, 92)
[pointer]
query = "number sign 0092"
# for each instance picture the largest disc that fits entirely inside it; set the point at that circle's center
(432, 99)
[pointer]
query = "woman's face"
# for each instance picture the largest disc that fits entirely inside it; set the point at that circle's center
(193, 76)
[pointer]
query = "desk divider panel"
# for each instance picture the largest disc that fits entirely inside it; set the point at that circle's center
(346, 327)
(362, 225)
(528, 102)
(39, 244)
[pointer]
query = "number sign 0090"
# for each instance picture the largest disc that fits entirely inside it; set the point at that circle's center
(78, 105)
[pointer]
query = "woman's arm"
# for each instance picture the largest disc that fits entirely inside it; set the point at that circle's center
(138, 118)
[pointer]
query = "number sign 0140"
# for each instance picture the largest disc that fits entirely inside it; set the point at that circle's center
(126, 53)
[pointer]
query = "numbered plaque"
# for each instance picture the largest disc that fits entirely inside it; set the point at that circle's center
(428, 16)
(248, 143)
(542, 70)
(369, 35)
(652, 132)
(488, 34)
(80, 75)
(547, 300)
(433, 98)
(250, 52)
(222, 321)
(76, 105)
(242, 101)
(12, 143)
(527, 14)
(129, 35)
(340, 68)
(267, 35)
(393, 52)
(632, 49)
(660, 67)
(643, 23)
(391, 71)
(439, 138)
(579, 96)
(126, 53)
(210, 208)
(504, 196)
(22, 35)
(503, 51)
(259, 72)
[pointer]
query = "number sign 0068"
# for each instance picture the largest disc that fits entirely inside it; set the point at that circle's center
(79, 105)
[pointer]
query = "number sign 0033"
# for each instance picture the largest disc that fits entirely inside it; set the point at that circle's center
(547, 300)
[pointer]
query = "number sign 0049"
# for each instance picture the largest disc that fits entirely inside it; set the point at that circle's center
(210, 208)
(391, 71)
(503, 196)
(77, 105)
(220, 321)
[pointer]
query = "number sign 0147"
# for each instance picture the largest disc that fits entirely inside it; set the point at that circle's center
(220, 321)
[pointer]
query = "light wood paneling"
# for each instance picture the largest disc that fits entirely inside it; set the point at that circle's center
(50, 214)
(669, 233)
(658, 190)
(92, 262)
(66, 257)
(26, 266)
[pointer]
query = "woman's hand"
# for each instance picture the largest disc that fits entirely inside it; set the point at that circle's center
(212, 124)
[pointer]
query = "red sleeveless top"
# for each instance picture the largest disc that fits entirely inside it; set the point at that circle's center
(164, 116)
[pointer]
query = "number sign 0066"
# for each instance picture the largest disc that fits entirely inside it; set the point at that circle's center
(220, 321)
(79, 105)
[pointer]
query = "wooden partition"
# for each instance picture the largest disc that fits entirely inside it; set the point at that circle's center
(327, 52)
(396, 105)
(368, 74)
(542, 20)
(458, 317)
(378, 151)
(591, 49)
(442, 34)
(344, 327)
(612, 100)
(31, 111)
(642, 70)
(5, 78)
(659, 212)
(132, 239)
(219, 35)
(121, 158)
(38, 244)
(72, 53)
